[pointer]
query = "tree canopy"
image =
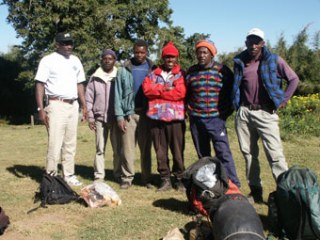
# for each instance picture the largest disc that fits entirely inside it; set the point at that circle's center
(94, 24)
(117, 24)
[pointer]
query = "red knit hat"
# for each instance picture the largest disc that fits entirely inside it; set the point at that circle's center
(170, 50)
(208, 44)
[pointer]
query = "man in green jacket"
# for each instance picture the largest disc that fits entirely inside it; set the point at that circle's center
(130, 111)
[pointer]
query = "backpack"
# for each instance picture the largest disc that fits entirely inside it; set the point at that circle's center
(294, 208)
(206, 182)
(54, 190)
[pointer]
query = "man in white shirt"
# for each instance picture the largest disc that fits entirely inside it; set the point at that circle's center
(60, 77)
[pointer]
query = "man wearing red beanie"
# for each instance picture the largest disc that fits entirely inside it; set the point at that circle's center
(165, 89)
(209, 104)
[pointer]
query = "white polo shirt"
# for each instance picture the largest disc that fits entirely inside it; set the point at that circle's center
(61, 75)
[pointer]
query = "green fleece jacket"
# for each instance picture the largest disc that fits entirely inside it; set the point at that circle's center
(124, 91)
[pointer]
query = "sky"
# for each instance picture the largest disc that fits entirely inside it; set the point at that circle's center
(226, 21)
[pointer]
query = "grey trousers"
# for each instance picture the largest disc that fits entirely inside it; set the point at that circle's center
(102, 134)
(250, 126)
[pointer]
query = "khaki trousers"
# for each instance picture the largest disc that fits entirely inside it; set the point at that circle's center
(138, 131)
(62, 136)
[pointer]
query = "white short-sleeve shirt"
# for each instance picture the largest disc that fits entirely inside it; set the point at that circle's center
(61, 75)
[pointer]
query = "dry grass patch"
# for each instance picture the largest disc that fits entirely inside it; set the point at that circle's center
(144, 214)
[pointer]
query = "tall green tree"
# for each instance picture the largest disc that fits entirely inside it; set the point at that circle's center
(95, 24)
(281, 47)
(300, 55)
(315, 73)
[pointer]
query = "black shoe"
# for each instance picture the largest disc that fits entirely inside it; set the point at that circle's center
(124, 185)
(255, 195)
(165, 185)
(179, 186)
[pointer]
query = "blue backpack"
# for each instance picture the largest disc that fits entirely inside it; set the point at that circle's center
(294, 208)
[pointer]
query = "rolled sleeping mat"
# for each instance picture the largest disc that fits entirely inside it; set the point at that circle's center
(235, 218)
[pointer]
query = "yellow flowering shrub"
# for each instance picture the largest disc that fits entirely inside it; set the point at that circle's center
(302, 115)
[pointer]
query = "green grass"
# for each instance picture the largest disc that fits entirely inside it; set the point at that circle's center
(144, 214)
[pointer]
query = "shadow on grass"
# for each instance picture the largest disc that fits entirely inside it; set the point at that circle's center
(88, 173)
(36, 173)
(173, 204)
(27, 171)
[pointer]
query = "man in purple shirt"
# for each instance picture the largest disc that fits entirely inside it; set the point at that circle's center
(257, 95)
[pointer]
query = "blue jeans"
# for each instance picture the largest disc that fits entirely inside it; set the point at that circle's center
(205, 130)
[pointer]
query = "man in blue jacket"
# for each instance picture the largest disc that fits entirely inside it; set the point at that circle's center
(130, 111)
(257, 95)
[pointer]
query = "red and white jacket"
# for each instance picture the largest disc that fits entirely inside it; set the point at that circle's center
(166, 92)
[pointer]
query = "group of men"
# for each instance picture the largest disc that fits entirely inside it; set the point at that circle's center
(141, 103)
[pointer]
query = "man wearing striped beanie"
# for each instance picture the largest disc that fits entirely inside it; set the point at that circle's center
(209, 104)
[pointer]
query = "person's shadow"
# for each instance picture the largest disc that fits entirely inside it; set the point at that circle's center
(172, 204)
(27, 171)
(35, 172)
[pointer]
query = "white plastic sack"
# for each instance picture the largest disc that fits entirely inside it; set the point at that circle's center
(100, 194)
(206, 175)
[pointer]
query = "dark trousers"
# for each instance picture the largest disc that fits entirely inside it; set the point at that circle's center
(205, 130)
(167, 135)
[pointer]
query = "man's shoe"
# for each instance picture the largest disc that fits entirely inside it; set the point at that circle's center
(165, 185)
(124, 185)
(255, 196)
(179, 186)
(73, 181)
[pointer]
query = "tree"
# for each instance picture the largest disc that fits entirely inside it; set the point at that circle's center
(227, 58)
(95, 25)
(186, 46)
(299, 55)
(15, 98)
(281, 47)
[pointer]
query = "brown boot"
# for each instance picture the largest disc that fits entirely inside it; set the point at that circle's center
(165, 185)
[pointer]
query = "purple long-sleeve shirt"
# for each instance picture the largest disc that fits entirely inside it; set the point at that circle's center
(252, 89)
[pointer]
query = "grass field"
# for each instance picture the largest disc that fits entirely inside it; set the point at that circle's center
(144, 214)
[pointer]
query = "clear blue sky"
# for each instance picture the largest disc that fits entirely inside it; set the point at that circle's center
(226, 21)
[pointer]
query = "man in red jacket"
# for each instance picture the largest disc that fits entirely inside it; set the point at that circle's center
(165, 89)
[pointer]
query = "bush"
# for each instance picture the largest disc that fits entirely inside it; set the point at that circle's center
(307, 88)
(301, 115)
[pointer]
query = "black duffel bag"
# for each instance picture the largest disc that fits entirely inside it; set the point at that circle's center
(235, 218)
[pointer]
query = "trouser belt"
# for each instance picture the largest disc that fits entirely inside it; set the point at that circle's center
(70, 101)
(255, 107)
